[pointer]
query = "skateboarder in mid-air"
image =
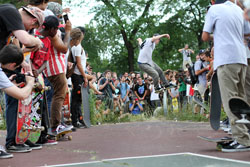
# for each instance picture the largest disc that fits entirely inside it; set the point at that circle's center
(146, 63)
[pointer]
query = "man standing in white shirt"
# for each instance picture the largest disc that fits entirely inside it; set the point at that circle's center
(226, 22)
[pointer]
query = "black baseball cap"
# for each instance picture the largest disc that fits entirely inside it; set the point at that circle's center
(51, 22)
(202, 51)
(220, 1)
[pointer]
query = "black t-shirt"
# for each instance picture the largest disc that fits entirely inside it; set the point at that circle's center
(10, 20)
(140, 89)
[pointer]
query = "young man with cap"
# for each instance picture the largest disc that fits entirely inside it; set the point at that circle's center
(11, 57)
(146, 63)
(55, 71)
(227, 24)
(201, 69)
(16, 22)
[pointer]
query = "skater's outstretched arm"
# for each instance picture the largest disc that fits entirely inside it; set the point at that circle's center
(155, 38)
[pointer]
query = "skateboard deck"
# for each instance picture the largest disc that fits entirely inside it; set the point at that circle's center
(197, 101)
(66, 116)
(241, 109)
(86, 109)
(23, 120)
(36, 110)
(63, 136)
(175, 104)
(219, 141)
(216, 140)
(215, 103)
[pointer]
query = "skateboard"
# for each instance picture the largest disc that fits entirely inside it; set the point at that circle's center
(85, 102)
(215, 103)
(63, 136)
(175, 104)
(198, 101)
(241, 109)
(219, 141)
(66, 116)
(23, 120)
(37, 109)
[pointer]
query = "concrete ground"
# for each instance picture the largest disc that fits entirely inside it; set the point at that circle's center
(125, 140)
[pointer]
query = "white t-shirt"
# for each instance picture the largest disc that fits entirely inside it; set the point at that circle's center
(186, 54)
(77, 51)
(227, 23)
(153, 95)
(147, 48)
(4, 80)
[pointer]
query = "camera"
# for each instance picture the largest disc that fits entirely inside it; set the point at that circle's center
(19, 78)
(110, 80)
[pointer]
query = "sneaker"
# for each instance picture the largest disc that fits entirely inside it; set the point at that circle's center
(33, 146)
(18, 148)
(50, 142)
(60, 129)
(234, 146)
(4, 154)
(169, 86)
(158, 89)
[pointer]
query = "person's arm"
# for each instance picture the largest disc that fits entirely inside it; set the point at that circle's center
(102, 86)
(145, 94)
(112, 86)
(21, 93)
(199, 72)
(206, 36)
(132, 107)
(136, 94)
(139, 41)
(140, 107)
(124, 99)
(81, 70)
(191, 51)
(160, 36)
(28, 40)
(56, 41)
(180, 50)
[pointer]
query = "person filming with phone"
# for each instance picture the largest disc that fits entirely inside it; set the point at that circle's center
(135, 107)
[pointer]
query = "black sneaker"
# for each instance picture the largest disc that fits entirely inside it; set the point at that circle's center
(169, 86)
(158, 89)
(234, 146)
(18, 148)
(4, 154)
(33, 146)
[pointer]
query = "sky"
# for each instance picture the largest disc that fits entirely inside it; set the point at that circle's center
(79, 15)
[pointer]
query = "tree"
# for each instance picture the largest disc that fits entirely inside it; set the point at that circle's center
(119, 23)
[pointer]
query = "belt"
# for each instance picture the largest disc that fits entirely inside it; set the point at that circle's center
(143, 63)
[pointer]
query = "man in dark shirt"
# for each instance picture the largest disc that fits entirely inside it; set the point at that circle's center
(140, 90)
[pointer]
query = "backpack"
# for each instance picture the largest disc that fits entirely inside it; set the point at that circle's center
(194, 78)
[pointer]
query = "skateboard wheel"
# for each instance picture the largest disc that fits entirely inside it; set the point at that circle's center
(24, 128)
(70, 137)
(33, 128)
(42, 128)
(233, 122)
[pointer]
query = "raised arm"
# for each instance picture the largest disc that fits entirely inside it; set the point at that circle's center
(160, 36)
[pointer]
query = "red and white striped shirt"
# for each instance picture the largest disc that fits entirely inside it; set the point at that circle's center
(56, 62)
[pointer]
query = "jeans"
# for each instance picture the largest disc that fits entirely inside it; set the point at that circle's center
(155, 72)
(11, 119)
(49, 94)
